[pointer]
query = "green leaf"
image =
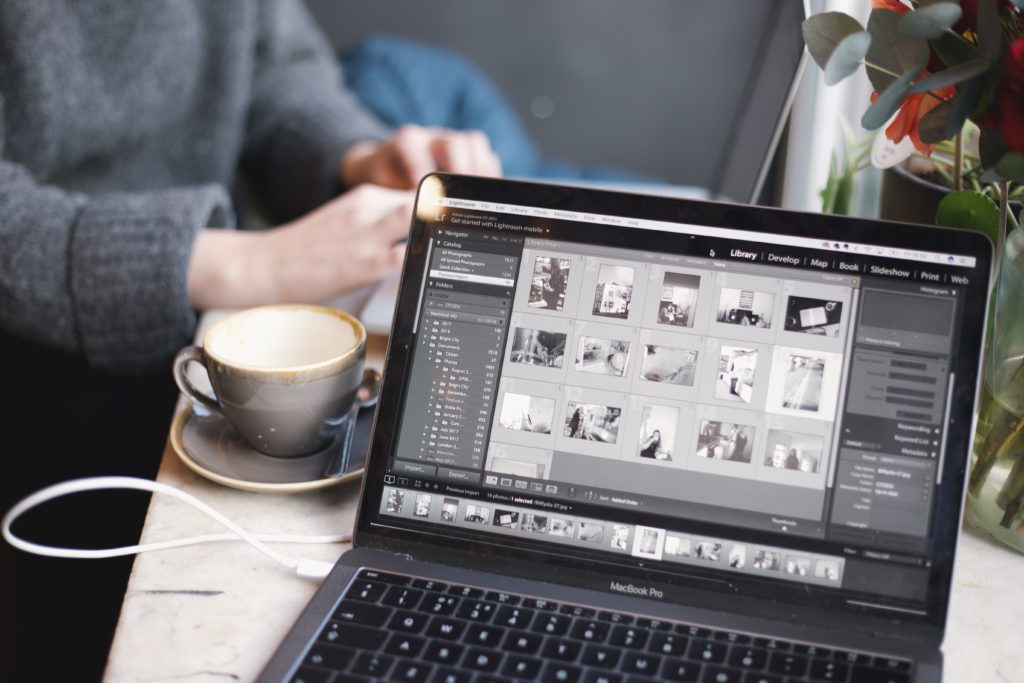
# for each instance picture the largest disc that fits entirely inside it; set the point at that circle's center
(963, 104)
(823, 33)
(990, 37)
(847, 57)
(953, 75)
(892, 50)
(990, 148)
(953, 50)
(1011, 167)
(932, 126)
(970, 210)
(888, 102)
(930, 21)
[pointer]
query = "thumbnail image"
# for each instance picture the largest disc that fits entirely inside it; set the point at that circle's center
(738, 556)
(646, 542)
(537, 347)
(725, 441)
(708, 550)
(678, 546)
(590, 532)
(827, 569)
(527, 413)
(550, 279)
(508, 519)
(766, 560)
(668, 365)
(804, 375)
(602, 356)
(449, 510)
(745, 307)
(592, 422)
(658, 432)
(562, 527)
(678, 303)
(620, 536)
(477, 514)
(801, 566)
(396, 497)
(793, 451)
(614, 291)
(422, 506)
(813, 316)
(537, 524)
(736, 367)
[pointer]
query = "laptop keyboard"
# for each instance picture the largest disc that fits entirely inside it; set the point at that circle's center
(399, 628)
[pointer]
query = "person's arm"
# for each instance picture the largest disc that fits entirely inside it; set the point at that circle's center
(104, 276)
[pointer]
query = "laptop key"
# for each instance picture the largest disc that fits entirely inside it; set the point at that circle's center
(668, 644)
(577, 611)
(851, 657)
(541, 604)
(444, 627)
(601, 677)
(693, 631)
(521, 666)
(589, 630)
(403, 645)
(444, 653)
(476, 610)
(891, 664)
(374, 665)
(864, 674)
(367, 591)
(451, 676)
(562, 650)
(488, 678)
(329, 656)
(359, 637)
(771, 644)
(752, 677)
(653, 624)
(479, 659)
(551, 624)
(374, 575)
(787, 664)
(730, 637)
(436, 603)
(409, 671)
(679, 670)
(523, 642)
(718, 674)
(503, 598)
(748, 658)
(307, 674)
(709, 651)
(424, 584)
(811, 650)
(628, 636)
(826, 670)
(615, 617)
(601, 656)
(408, 622)
(484, 635)
(364, 614)
(402, 596)
(466, 592)
(513, 617)
(641, 663)
(560, 673)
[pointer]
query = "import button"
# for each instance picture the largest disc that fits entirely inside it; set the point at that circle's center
(418, 468)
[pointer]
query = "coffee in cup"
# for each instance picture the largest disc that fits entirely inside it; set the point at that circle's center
(285, 376)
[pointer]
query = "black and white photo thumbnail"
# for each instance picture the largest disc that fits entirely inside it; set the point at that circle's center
(801, 566)
(802, 386)
(537, 347)
(827, 569)
(559, 526)
(477, 514)
(549, 282)
(449, 510)
(766, 560)
(793, 451)
(678, 546)
(668, 365)
(738, 556)
(602, 356)
(396, 498)
(508, 519)
(422, 506)
(678, 303)
(590, 532)
(745, 307)
(614, 291)
(620, 537)
(813, 316)
(708, 550)
(537, 524)
(592, 422)
(647, 542)
(736, 368)
(658, 431)
(527, 413)
(725, 441)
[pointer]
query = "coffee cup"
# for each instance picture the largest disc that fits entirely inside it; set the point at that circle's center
(285, 376)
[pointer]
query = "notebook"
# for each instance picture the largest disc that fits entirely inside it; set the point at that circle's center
(633, 438)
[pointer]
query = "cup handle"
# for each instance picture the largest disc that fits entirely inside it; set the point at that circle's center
(192, 353)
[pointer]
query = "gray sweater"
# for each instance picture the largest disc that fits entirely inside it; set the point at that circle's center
(121, 125)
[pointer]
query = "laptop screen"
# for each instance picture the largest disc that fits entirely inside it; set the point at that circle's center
(683, 389)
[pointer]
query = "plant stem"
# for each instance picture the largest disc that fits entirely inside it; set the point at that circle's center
(958, 161)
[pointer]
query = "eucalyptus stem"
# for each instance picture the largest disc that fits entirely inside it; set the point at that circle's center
(958, 161)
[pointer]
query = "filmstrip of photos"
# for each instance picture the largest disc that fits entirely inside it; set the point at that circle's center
(640, 541)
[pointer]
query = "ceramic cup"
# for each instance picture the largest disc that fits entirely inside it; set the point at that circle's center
(285, 376)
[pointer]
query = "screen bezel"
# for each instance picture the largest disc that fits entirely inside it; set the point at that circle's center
(372, 528)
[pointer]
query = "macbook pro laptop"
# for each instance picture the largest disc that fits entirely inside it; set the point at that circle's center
(634, 438)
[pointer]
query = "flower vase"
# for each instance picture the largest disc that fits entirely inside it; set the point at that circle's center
(995, 494)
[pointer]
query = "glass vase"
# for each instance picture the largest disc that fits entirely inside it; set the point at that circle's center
(995, 494)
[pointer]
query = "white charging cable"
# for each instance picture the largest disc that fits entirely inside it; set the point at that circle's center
(308, 568)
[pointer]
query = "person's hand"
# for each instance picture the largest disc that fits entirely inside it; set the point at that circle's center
(414, 151)
(349, 242)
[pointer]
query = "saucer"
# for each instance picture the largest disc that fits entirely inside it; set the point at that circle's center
(208, 445)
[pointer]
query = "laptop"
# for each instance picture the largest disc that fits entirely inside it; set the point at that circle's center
(635, 438)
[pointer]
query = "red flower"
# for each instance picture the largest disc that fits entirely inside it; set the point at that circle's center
(894, 5)
(1014, 65)
(969, 18)
(910, 113)
(1007, 112)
